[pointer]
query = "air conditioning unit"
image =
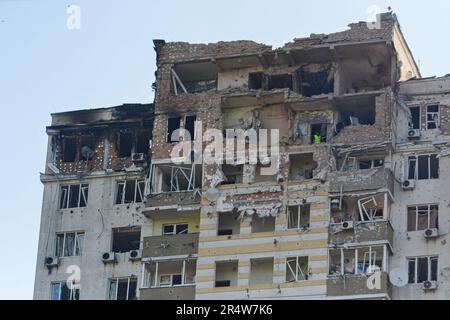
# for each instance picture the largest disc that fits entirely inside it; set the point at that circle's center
(347, 225)
(431, 233)
(409, 185)
(430, 285)
(414, 134)
(135, 255)
(109, 257)
(138, 157)
(51, 262)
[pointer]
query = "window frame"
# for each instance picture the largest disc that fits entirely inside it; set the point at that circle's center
(416, 159)
(76, 244)
(67, 192)
(137, 191)
(72, 291)
(174, 232)
(116, 281)
(429, 211)
(420, 116)
(297, 267)
(299, 215)
(438, 113)
(416, 268)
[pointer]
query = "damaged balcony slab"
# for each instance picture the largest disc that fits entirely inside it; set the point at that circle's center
(185, 292)
(362, 180)
(169, 201)
(170, 245)
(351, 286)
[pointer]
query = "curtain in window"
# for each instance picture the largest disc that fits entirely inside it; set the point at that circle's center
(79, 244)
(69, 245)
(112, 290)
(412, 220)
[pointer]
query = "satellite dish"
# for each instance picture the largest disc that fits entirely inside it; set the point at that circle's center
(212, 194)
(398, 278)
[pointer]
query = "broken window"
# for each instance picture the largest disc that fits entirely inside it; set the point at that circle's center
(125, 144)
(234, 174)
(87, 147)
(142, 141)
(169, 273)
(173, 178)
(173, 127)
(200, 86)
(370, 260)
(415, 117)
(316, 83)
(297, 269)
(422, 269)
(129, 142)
(74, 196)
(122, 288)
(226, 274)
(356, 111)
(69, 244)
(70, 148)
(319, 133)
(362, 260)
(60, 291)
(281, 81)
(432, 117)
(423, 217)
(189, 126)
(255, 80)
(262, 224)
(299, 217)
(170, 280)
(126, 239)
(371, 208)
(229, 224)
(261, 271)
(424, 167)
(130, 191)
(173, 229)
(370, 164)
(302, 166)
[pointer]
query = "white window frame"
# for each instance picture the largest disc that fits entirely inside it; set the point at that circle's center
(76, 244)
(368, 254)
(137, 190)
(72, 290)
(299, 215)
(174, 232)
(372, 164)
(416, 267)
(81, 193)
(415, 158)
(420, 114)
(298, 270)
(438, 114)
(416, 207)
(116, 280)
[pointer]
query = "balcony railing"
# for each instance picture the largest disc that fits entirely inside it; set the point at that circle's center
(186, 292)
(358, 285)
(361, 180)
(170, 245)
(362, 232)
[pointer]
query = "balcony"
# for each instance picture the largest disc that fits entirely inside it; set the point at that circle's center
(170, 245)
(173, 200)
(357, 285)
(363, 232)
(186, 292)
(361, 180)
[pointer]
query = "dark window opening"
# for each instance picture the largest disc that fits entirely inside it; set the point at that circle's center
(316, 83)
(122, 289)
(125, 144)
(199, 86)
(415, 121)
(223, 284)
(70, 149)
(262, 224)
(173, 125)
(229, 224)
(283, 81)
(255, 81)
(423, 167)
(74, 196)
(233, 174)
(190, 126)
(143, 142)
(126, 239)
(318, 133)
(302, 166)
(432, 117)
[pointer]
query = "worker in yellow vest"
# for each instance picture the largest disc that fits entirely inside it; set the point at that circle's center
(317, 138)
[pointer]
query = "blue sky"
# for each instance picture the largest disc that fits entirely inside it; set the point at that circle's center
(45, 68)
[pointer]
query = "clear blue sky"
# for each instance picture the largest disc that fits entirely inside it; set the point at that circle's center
(45, 68)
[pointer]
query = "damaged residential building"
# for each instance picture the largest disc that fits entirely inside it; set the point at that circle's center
(357, 192)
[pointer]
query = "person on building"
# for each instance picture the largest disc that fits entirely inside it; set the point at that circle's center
(317, 138)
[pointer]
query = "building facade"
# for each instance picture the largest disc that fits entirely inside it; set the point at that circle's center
(353, 191)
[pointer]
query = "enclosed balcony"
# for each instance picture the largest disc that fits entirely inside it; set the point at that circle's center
(170, 245)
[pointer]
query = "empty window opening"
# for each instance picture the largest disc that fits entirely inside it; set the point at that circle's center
(176, 178)
(316, 83)
(255, 81)
(371, 208)
(432, 117)
(200, 86)
(142, 141)
(297, 269)
(189, 126)
(229, 224)
(424, 167)
(299, 217)
(415, 117)
(60, 291)
(262, 224)
(423, 217)
(302, 166)
(356, 111)
(69, 244)
(226, 274)
(122, 288)
(87, 147)
(319, 133)
(282, 81)
(70, 148)
(126, 239)
(174, 229)
(358, 261)
(261, 271)
(130, 191)
(74, 196)
(233, 174)
(422, 269)
(125, 144)
(173, 127)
